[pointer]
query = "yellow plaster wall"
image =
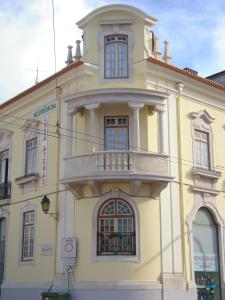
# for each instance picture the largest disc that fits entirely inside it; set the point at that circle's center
(218, 144)
(45, 226)
(149, 266)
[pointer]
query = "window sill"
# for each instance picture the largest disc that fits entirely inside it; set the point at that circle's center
(206, 172)
(116, 79)
(115, 258)
(4, 201)
(27, 178)
(26, 262)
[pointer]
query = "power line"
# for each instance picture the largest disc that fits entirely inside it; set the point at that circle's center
(40, 132)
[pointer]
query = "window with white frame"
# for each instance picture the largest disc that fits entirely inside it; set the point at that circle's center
(31, 156)
(116, 133)
(116, 228)
(202, 156)
(28, 235)
(116, 56)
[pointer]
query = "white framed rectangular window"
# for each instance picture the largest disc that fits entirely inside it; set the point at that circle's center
(116, 56)
(28, 235)
(202, 158)
(116, 133)
(4, 166)
(31, 156)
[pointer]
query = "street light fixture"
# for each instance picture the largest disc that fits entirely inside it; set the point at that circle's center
(45, 204)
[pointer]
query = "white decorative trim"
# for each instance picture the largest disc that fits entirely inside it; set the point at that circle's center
(204, 115)
(27, 207)
(204, 180)
(118, 285)
(30, 128)
(25, 285)
(115, 193)
(117, 7)
(209, 204)
(115, 95)
(5, 139)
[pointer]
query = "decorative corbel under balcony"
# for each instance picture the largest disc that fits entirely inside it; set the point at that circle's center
(28, 182)
(205, 180)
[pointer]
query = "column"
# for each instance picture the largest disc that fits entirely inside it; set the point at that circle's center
(136, 125)
(92, 126)
(69, 133)
(161, 131)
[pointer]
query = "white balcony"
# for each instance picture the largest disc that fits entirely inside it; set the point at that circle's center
(117, 166)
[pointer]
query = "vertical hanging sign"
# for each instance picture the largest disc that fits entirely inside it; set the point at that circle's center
(44, 151)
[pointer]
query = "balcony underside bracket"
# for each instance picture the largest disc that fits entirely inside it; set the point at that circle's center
(157, 187)
(95, 187)
(135, 187)
(75, 189)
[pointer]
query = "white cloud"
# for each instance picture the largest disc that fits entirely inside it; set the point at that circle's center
(197, 39)
(27, 40)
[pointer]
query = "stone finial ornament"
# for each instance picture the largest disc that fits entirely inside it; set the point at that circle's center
(156, 52)
(69, 60)
(77, 55)
(166, 57)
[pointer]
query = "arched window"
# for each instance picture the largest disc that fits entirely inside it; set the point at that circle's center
(206, 256)
(116, 228)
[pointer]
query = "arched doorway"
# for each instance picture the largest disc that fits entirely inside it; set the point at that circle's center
(206, 256)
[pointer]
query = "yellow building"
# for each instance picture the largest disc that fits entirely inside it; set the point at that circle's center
(128, 149)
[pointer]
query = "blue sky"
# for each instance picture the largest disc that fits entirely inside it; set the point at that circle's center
(194, 28)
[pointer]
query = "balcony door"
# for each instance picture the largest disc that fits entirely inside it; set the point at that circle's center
(4, 168)
(116, 133)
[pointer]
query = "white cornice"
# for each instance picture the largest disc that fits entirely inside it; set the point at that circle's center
(117, 7)
(115, 95)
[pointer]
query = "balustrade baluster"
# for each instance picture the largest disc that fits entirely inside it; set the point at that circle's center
(113, 161)
(119, 161)
(107, 161)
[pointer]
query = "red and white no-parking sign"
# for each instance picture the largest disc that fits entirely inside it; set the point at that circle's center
(68, 247)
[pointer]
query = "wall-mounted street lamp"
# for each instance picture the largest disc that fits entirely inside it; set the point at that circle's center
(45, 204)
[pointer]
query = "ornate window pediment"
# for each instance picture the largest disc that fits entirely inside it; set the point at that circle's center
(203, 171)
(5, 138)
(202, 120)
(30, 128)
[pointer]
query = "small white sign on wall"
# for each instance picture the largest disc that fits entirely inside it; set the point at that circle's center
(47, 249)
(68, 248)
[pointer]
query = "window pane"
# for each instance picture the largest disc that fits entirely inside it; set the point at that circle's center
(116, 59)
(110, 138)
(31, 156)
(202, 149)
(28, 236)
(116, 234)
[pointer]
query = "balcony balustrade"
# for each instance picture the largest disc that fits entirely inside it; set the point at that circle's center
(5, 190)
(117, 166)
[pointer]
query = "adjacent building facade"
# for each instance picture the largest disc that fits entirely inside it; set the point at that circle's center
(128, 149)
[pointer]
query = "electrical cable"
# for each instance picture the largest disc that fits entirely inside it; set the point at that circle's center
(40, 132)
